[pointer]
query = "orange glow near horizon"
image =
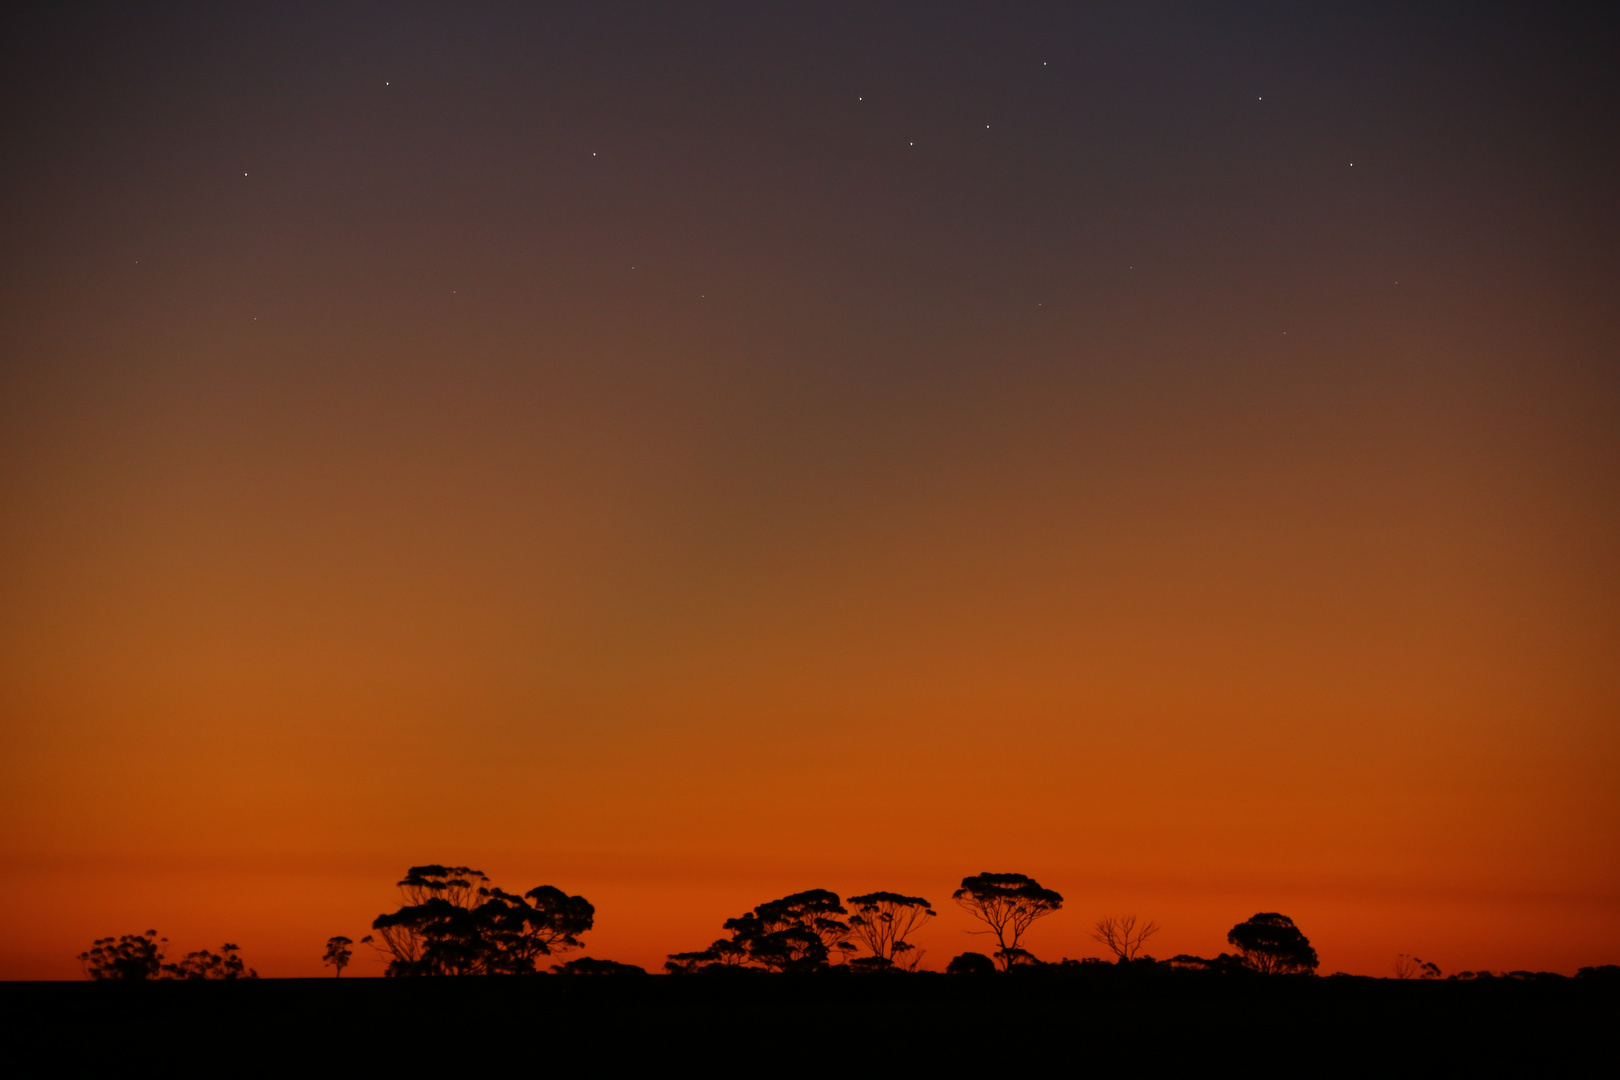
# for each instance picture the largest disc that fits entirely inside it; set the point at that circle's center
(349, 527)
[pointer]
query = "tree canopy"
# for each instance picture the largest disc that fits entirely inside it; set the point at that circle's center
(454, 922)
(1272, 945)
(131, 958)
(800, 932)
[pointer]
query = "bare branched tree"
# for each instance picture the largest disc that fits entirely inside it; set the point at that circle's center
(1122, 936)
(1413, 967)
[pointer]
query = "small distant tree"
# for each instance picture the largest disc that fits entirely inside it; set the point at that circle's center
(203, 964)
(1007, 904)
(131, 958)
(1122, 936)
(1413, 967)
(337, 954)
(1272, 945)
(883, 921)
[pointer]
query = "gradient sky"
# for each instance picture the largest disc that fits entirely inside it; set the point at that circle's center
(691, 453)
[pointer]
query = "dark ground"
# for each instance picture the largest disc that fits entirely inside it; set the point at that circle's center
(812, 1024)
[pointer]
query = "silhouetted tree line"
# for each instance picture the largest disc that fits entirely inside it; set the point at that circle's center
(137, 957)
(452, 921)
(805, 932)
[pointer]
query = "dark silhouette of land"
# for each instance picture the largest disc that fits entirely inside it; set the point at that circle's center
(1093, 1015)
(802, 983)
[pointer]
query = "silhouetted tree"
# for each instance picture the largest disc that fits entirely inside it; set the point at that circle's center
(971, 963)
(1122, 936)
(453, 922)
(131, 958)
(203, 964)
(1272, 945)
(882, 922)
(795, 933)
(584, 965)
(337, 954)
(724, 953)
(1007, 904)
(1412, 967)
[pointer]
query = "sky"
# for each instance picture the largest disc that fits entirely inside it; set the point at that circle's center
(687, 454)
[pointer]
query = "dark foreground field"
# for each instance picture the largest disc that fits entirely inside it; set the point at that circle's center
(800, 1025)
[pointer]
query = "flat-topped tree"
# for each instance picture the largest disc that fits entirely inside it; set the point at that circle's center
(1007, 904)
(883, 921)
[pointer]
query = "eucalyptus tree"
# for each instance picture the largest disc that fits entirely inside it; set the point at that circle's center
(1272, 945)
(1007, 904)
(883, 921)
(797, 933)
(452, 921)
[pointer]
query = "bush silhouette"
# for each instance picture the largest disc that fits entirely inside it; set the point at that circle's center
(585, 965)
(971, 963)
(203, 964)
